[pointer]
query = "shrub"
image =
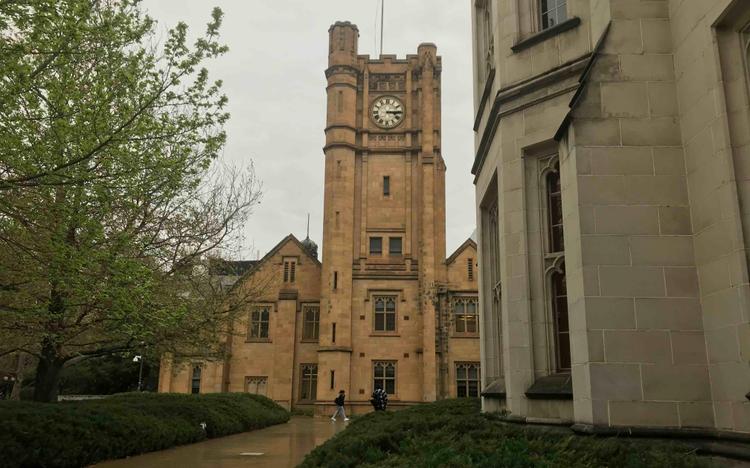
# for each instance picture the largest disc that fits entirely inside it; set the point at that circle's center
(80, 433)
(453, 433)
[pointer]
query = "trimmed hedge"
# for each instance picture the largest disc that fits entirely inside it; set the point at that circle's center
(453, 433)
(79, 433)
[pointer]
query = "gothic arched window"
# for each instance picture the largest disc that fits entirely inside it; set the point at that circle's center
(554, 210)
(559, 298)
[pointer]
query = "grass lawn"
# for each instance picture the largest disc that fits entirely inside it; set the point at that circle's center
(453, 433)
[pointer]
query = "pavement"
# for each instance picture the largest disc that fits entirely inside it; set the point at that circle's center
(283, 445)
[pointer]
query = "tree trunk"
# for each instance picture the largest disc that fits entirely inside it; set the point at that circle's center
(46, 382)
(20, 369)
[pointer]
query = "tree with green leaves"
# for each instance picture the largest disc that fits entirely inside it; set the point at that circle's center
(111, 193)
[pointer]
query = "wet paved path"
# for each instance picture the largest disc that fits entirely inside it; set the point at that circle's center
(283, 445)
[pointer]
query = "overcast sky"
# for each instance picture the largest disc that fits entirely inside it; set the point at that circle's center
(273, 77)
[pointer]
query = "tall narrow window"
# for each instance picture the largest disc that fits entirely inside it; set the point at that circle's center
(394, 245)
(384, 376)
(555, 265)
(259, 318)
(552, 12)
(290, 270)
(333, 379)
(333, 332)
(310, 323)
(470, 269)
(340, 101)
(554, 210)
(335, 279)
(385, 313)
(195, 381)
(560, 312)
(467, 379)
(308, 382)
(465, 315)
(484, 37)
(376, 245)
(386, 186)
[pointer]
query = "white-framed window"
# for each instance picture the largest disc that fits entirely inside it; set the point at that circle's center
(384, 313)
(384, 376)
(259, 321)
(308, 382)
(465, 315)
(310, 322)
(551, 13)
(467, 379)
(195, 379)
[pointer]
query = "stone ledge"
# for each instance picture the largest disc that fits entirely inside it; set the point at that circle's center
(552, 387)
(495, 389)
(545, 34)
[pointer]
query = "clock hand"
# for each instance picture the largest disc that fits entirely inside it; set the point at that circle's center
(393, 112)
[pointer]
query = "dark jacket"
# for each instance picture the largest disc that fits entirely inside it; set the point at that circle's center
(339, 400)
(379, 399)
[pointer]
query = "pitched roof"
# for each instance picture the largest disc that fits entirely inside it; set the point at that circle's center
(467, 243)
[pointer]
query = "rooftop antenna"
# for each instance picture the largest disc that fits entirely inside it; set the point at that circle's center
(382, 16)
(308, 225)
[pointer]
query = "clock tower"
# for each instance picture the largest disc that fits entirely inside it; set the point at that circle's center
(384, 224)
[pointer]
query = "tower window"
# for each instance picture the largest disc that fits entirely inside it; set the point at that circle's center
(394, 246)
(335, 279)
(386, 186)
(384, 376)
(333, 378)
(552, 12)
(470, 269)
(340, 101)
(333, 332)
(385, 313)
(195, 381)
(376, 245)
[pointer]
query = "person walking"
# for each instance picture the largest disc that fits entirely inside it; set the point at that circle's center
(379, 399)
(339, 402)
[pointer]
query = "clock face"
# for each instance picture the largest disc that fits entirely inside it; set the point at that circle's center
(387, 112)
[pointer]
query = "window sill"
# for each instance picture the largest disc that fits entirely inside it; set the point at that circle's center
(384, 334)
(552, 387)
(542, 36)
(258, 340)
(465, 335)
(310, 340)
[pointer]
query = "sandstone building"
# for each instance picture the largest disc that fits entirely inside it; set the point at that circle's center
(612, 194)
(385, 307)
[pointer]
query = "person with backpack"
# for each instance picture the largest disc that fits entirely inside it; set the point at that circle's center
(339, 402)
(379, 399)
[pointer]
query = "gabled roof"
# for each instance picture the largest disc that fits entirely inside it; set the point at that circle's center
(284, 241)
(258, 263)
(467, 243)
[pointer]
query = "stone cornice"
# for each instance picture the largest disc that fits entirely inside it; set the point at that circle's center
(341, 69)
(518, 90)
(484, 99)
